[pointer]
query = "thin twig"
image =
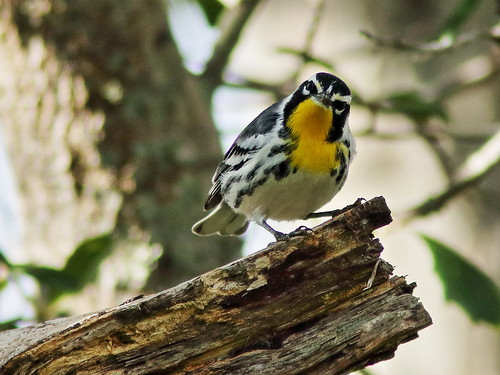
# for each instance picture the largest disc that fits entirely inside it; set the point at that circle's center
(462, 85)
(435, 144)
(306, 57)
(371, 132)
(318, 11)
(278, 91)
(304, 54)
(434, 46)
(238, 18)
(478, 165)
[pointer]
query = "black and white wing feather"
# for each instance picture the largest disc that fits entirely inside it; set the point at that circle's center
(246, 145)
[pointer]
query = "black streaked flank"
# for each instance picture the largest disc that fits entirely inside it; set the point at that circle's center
(283, 148)
(347, 144)
(248, 190)
(284, 133)
(230, 181)
(343, 165)
(237, 201)
(340, 176)
(251, 175)
(279, 171)
(341, 157)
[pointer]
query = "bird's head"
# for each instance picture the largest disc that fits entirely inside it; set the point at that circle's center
(327, 90)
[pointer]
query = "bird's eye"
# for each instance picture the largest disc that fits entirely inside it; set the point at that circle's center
(310, 87)
(339, 105)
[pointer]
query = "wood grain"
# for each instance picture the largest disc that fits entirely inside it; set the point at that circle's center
(296, 307)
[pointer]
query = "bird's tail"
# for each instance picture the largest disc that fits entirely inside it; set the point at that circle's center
(222, 220)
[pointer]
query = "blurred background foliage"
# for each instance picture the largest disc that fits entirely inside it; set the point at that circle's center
(143, 95)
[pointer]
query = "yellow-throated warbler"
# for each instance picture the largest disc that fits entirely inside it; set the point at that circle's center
(288, 162)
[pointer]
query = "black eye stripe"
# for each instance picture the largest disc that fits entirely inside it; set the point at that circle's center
(339, 105)
(311, 87)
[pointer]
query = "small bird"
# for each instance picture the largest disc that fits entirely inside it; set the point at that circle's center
(288, 162)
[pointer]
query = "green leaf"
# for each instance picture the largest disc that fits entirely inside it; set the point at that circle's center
(365, 372)
(465, 284)
(84, 263)
(54, 282)
(9, 324)
(462, 12)
(4, 263)
(81, 268)
(212, 9)
(413, 105)
(4, 260)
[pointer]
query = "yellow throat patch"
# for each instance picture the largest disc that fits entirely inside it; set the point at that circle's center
(309, 124)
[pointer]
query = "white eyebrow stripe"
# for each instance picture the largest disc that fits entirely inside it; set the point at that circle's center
(342, 98)
(314, 79)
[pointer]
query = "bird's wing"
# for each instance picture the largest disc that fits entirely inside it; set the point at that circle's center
(246, 145)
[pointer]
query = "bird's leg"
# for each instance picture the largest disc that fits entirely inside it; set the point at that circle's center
(280, 236)
(333, 213)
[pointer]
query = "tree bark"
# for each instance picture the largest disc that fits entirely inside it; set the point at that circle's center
(108, 131)
(296, 307)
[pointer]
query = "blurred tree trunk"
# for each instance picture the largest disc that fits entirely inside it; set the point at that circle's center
(107, 131)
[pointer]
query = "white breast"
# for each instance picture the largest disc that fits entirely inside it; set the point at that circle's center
(291, 198)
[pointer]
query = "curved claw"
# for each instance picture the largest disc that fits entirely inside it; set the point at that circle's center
(300, 231)
(279, 236)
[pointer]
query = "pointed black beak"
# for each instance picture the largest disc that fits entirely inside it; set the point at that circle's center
(325, 100)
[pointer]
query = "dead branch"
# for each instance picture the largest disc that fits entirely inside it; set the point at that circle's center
(296, 307)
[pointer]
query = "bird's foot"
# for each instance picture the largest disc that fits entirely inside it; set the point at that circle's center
(300, 231)
(280, 236)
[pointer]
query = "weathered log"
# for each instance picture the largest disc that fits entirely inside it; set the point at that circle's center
(296, 307)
